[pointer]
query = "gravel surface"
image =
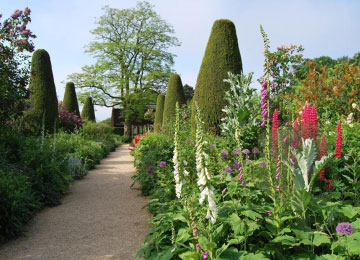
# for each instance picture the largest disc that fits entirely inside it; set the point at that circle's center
(100, 219)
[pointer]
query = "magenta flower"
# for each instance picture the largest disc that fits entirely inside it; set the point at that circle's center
(236, 165)
(195, 232)
(269, 212)
(198, 246)
(228, 169)
(205, 255)
(263, 164)
(162, 164)
(263, 103)
(257, 220)
(285, 139)
(243, 183)
(277, 176)
(278, 188)
(236, 151)
(344, 228)
(223, 191)
(246, 151)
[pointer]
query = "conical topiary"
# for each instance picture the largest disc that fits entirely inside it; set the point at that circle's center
(88, 113)
(159, 112)
(70, 99)
(221, 56)
(43, 99)
(174, 93)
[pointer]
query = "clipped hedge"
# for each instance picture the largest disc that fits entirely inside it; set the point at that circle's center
(221, 56)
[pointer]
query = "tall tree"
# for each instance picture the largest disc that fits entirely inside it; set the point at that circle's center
(131, 51)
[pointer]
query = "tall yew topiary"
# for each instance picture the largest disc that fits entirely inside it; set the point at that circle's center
(43, 99)
(70, 99)
(221, 56)
(88, 113)
(159, 113)
(174, 93)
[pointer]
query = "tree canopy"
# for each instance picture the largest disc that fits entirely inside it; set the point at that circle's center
(131, 51)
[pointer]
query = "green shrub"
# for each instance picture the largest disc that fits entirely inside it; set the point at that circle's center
(174, 93)
(70, 100)
(17, 203)
(43, 99)
(148, 153)
(88, 113)
(159, 113)
(221, 56)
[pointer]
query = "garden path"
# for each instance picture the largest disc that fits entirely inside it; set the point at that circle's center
(100, 219)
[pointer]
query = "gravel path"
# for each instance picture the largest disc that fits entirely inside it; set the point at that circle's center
(100, 219)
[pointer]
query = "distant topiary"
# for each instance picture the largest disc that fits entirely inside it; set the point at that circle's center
(174, 93)
(70, 100)
(88, 113)
(221, 56)
(159, 113)
(43, 99)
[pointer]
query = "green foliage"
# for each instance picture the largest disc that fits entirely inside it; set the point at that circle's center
(189, 93)
(88, 113)
(43, 99)
(18, 203)
(159, 113)
(174, 93)
(137, 104)
(149, 152)
(221, 56)
(70, 100)
(37, 171)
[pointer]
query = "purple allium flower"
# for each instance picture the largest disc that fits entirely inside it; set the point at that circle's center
(224, 153)
(255, 150)
(223, 191)
(344, 228)
(205, 255)
(236, 165)
(228, 169)
(236, 151)
(162, 164)
(195, 232)
(150, 170)
(263, 164)
(246, 151)
(269, 212)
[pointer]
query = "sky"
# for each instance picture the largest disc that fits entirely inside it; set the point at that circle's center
(323, 27)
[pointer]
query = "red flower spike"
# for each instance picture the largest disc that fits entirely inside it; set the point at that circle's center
(305, 122)
(323, 152)
(275, 126)
(313, 123)
(338, 141)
